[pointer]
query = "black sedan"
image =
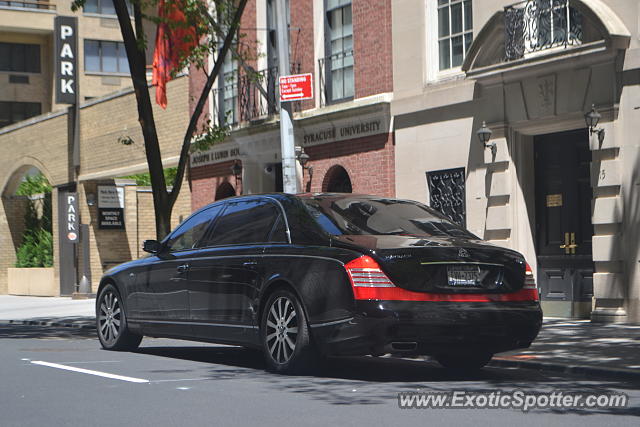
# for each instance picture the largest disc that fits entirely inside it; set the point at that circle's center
(315, 275)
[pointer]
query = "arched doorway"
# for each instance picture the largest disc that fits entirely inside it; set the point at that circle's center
(26, 229)
(337, 180)
(225, 190)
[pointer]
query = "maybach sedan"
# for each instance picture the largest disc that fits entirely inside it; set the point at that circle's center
(307, 276)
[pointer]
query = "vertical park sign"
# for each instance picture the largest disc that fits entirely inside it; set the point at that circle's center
(66, 63)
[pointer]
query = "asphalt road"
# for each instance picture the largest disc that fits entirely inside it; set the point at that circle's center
(179, 383)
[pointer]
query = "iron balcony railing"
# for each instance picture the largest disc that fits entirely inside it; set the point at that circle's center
(28, 4)
(250, 97)
(336, 78)
(535, 25)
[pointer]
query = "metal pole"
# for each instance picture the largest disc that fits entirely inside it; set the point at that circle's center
(287, 142)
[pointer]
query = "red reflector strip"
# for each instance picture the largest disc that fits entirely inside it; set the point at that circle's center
(399, 294)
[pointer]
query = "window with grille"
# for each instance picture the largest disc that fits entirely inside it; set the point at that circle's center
(13, 112)
(339, 62)
(105, 57)
(103, 7)
(20, 57)
(447, 194)
(455, 32)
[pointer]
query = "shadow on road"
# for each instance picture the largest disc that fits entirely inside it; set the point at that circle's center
(368, 380)
(17, 331)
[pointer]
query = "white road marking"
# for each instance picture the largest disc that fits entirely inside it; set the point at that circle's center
(182, 379)
(89, 372)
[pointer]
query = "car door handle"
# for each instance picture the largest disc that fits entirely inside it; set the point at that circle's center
(182, 268)
(249, 263)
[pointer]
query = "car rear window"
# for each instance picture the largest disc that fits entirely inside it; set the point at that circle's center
(380, 216)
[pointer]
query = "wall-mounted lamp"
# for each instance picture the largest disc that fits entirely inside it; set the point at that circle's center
(236, 169)
(303, 158)
(91, 199)
(591, 119)
(484, 135)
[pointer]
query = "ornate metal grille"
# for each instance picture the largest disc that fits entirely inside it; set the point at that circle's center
(535, 25)
(447, 194)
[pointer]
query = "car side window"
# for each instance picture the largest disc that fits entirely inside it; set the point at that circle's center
(244, 222)
(279, 231)
(189, 232)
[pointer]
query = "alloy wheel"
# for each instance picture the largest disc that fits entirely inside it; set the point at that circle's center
(110, 317)
(282, 329)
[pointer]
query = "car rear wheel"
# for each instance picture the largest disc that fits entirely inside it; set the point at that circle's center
(285, 335)
(111, 322)
(466, 362)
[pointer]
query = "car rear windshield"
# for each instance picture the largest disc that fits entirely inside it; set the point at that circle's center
(381, 216)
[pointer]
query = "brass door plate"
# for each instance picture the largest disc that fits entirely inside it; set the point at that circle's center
(554, 200)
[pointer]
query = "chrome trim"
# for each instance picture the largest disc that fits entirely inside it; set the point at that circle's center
(335, 322)
(230, 325)
(284, 215)
(460, 262)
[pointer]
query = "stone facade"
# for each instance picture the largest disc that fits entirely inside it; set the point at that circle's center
(537, 96)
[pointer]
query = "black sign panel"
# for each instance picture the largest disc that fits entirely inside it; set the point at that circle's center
(70, 209)
(66, 55)
(111, 218)
(68, 237)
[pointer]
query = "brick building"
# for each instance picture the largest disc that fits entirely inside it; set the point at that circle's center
(346, 129)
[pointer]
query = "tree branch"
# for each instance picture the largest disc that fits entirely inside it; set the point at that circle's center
(186, 143)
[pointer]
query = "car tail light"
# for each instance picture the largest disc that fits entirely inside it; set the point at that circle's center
(530, 283)
(369, 282)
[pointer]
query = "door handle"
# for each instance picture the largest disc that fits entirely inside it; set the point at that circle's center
(573, 245)
(182, 268)
(569, 243)
(249, 263)
(566, 248)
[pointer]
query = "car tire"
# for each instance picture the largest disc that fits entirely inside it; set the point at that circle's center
(285, 335)
(111, 322)
(465, 363)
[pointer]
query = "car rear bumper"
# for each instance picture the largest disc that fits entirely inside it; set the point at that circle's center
(379, 327)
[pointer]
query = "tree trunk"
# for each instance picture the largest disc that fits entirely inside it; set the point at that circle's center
(136, 57)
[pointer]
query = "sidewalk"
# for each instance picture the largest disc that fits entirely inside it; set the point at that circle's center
(47, 311)
(575, 346)
(579, 346)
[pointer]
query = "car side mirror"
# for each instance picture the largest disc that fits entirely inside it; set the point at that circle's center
(151, 246)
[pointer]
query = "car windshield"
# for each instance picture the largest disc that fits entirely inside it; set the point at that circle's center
(381, 216)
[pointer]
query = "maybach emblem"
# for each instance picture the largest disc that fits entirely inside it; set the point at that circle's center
(463, 253)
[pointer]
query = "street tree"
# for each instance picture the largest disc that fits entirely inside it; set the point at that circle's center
(191, 30)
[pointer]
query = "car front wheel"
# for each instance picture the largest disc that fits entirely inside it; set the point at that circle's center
(111, 322)
(285, 334)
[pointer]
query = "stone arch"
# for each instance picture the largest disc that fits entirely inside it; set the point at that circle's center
(11, 181)
(225, 190)
(12, 215)
(603, 24)
(337, 180)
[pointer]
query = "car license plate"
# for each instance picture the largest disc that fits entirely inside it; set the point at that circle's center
(463, 275)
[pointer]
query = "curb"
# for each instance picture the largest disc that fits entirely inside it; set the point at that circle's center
(48, 323)
(610, 373)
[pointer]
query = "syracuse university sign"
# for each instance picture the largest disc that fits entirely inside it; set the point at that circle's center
(66, 54)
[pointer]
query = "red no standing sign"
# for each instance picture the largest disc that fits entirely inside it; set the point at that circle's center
(296, 87)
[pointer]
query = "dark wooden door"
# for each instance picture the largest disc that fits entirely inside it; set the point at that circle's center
(563, 217)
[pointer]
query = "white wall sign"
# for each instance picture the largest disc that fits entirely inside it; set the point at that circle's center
(110, 196)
